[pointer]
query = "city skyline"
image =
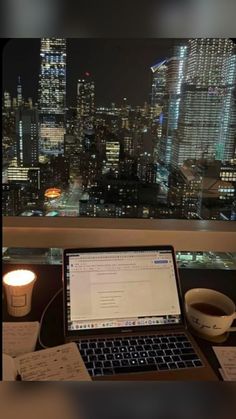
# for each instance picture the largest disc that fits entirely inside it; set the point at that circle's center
(170, 155)
(127, 62)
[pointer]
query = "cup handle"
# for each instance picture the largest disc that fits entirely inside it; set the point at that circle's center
(232, 329)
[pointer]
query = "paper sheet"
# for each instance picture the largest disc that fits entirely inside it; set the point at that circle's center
(62, 362)
(8, 368)
(226, 356)
(19, 337)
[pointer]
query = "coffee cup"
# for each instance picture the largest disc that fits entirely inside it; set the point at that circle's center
(209, 312)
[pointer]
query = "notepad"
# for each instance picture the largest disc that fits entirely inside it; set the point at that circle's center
(226, 356)
(60, 363)
(19, 337)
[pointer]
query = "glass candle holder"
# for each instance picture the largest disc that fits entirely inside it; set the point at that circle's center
(18, 286)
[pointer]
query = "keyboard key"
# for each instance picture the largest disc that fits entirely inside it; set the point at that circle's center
(172, 339)
(89, 352)
(123, 349)
(100, 344)
(147, 347)
(101, 357)
(124, 363)
(125, 342)
(156, 340)
(168, 352)
(97, 351)
(110, 357)
(127, 355)
(156, 346)
(172, 365)
(167, 358)
(93, 357)
(89, 365)
(150, 360)
(118, 356)
(180, 364)
(162, 366)
(133, 342)
(131, 348)
(171, 345)
(139, 348)
(83, 345)
(175, 358)
(105, 350)
(197, 363)
(135, 355)
(117, 343)
(90, 371)
(108, 371)
(188, 357)
(141, 341)
(182, 338)
(117, 363)
(148, 341)
(143, 354)
(98, 364)
(92, 345)
(109, 344)
(133, 361)
(107, 364)
(163, 346)
(159, 360)
(151, 353)
(164, 340)
(160, 352)
(187, 350)
(176, 351)
(97, 371)
(114, 350)
(142, 361)
(189, 364)
(135, 368)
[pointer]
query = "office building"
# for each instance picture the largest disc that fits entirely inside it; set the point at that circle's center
(27, 137)
(19, 97)
(171, 101)
(6, 101)
(52, 96)
(85, 109)
(207, 115)
(11, 199)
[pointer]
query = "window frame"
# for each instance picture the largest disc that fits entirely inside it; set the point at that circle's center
(69, 232)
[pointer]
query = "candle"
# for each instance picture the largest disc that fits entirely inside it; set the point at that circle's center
(18, 286)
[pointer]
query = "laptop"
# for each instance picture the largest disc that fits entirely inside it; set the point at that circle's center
(123, 308)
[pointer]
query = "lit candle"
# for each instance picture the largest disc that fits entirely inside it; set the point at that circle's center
(19, 286)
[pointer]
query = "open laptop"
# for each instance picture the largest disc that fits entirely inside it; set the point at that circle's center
(123, 308)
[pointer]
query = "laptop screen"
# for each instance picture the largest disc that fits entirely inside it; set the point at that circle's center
(125, 288)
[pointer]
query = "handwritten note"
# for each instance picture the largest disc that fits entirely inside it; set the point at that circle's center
(62, 362)
(19, 337)
(227, 358)
(8, 368)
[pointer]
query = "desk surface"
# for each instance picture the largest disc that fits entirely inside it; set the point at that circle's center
(50, 281)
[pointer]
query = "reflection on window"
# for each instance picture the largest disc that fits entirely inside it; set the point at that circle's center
(120, 128)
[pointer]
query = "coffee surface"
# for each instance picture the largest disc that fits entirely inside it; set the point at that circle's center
(209, 309)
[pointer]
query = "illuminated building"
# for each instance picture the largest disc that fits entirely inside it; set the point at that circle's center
(7, 100)
(171, 101)
(21, 175)
(52, 193)
(112, 156)
(85, 108)
(11, 199)
(27, 137)
(207, 118)
(52, 95)
(19, 97)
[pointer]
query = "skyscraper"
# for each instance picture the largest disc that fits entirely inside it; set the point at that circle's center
(26, 123)
(19, 97)
(52, 96)
(171, 101)
(207, 115)
(85, 110)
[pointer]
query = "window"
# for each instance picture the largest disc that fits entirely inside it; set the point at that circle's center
(120, 133)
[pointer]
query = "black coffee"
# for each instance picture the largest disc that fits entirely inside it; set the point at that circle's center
(209, 309)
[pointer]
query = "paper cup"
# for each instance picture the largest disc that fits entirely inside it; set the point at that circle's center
(18, 286)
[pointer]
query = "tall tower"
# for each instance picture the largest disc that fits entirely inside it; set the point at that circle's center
(19, 97)
(26, 123)
(85, 109)
(171, 103)
(52, 96)
(207, 119)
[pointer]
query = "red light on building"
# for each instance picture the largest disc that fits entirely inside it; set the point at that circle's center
(87, 74)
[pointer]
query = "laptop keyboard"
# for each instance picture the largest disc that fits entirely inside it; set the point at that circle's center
(108, 356)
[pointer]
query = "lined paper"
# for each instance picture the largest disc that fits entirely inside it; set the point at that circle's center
(19, 337)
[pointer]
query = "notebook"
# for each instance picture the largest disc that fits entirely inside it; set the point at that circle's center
(123, 309)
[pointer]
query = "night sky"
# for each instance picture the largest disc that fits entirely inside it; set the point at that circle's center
(120, 68)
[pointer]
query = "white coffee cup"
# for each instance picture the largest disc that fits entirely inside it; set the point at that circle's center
(18, 285)
(198, 316)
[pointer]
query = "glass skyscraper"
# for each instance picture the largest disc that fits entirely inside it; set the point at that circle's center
(52, 95)
(207, 118)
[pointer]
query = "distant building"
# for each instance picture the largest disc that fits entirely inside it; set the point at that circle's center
(85, 109)
(11, 199)
(27, 137)
(52, 96)
(207, 115)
